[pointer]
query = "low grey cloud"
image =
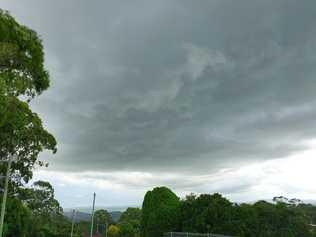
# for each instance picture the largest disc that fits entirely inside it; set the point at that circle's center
(179, 86)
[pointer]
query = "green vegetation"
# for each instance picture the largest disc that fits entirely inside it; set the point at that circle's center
(103, 216)
(22, 77)
(113, 231)
(35, 213)
(31, 211)
(160, 212)
(132, 216)
(215, 214)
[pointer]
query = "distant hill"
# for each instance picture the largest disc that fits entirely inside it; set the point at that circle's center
(87, 209)
(80, 216)
(313, 202)
(84, 213)
(83, 216)
(116, 215)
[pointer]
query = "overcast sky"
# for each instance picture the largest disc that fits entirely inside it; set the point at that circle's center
(201, 96)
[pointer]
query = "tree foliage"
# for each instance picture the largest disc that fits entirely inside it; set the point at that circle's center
(18, 219)
(113, 231)
(22, 134)
(30, 211)
(133, 216)
(36, 214)
(206, 213)
(22, 76)
(159, 212)
(212, 213)
(47, 215)
(40, 198)
(21, 58)
(126, 230)
(103, 216)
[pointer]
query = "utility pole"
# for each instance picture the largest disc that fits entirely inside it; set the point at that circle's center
(73, 222)
(5, 194)
(92, 216)
(106, 229)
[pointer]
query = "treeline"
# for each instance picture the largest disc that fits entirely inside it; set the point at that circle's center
(128, 224)
(35, 212)
(163, 212)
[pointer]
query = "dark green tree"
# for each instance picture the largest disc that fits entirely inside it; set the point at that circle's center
(216, 214)
(126, 230)
(22, 135)
(113, 231)
(101, 219)
(47, 215)
(206, 213)
(160, 212)
(18, 219)
(40, 198)
(280, 220)
(21, 58)
(245, 220)
(82, 229)
(103, 216)
(132, 216)
(22, 77)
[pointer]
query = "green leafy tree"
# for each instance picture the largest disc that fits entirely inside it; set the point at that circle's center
(18, 219)
(126, 230)
(280, 220)
(22, 58)
(309, 210)
(245, 220)
(40, 198)
(160, 212)
(113, 231)
(101, 219)
(59, 225)
(22, 134)
(103, 216)
(22, 77)
(132, 216)
(216, 214)
(82, 229)
(47, 216)
(206, 213)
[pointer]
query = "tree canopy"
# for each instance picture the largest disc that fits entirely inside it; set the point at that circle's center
(133, 216)
(126, 230)
(212, 213)
(31, 211)
(113, 231)
(159, 212)
(40, 198)
(21, 58)
(22, 77)
(103, 216)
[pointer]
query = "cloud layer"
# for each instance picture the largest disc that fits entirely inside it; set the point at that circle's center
(175, 86)
(291, 177)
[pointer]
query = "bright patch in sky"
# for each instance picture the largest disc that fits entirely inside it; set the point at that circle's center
(293, 177)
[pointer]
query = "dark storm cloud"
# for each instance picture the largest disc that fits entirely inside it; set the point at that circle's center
(175, 85)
